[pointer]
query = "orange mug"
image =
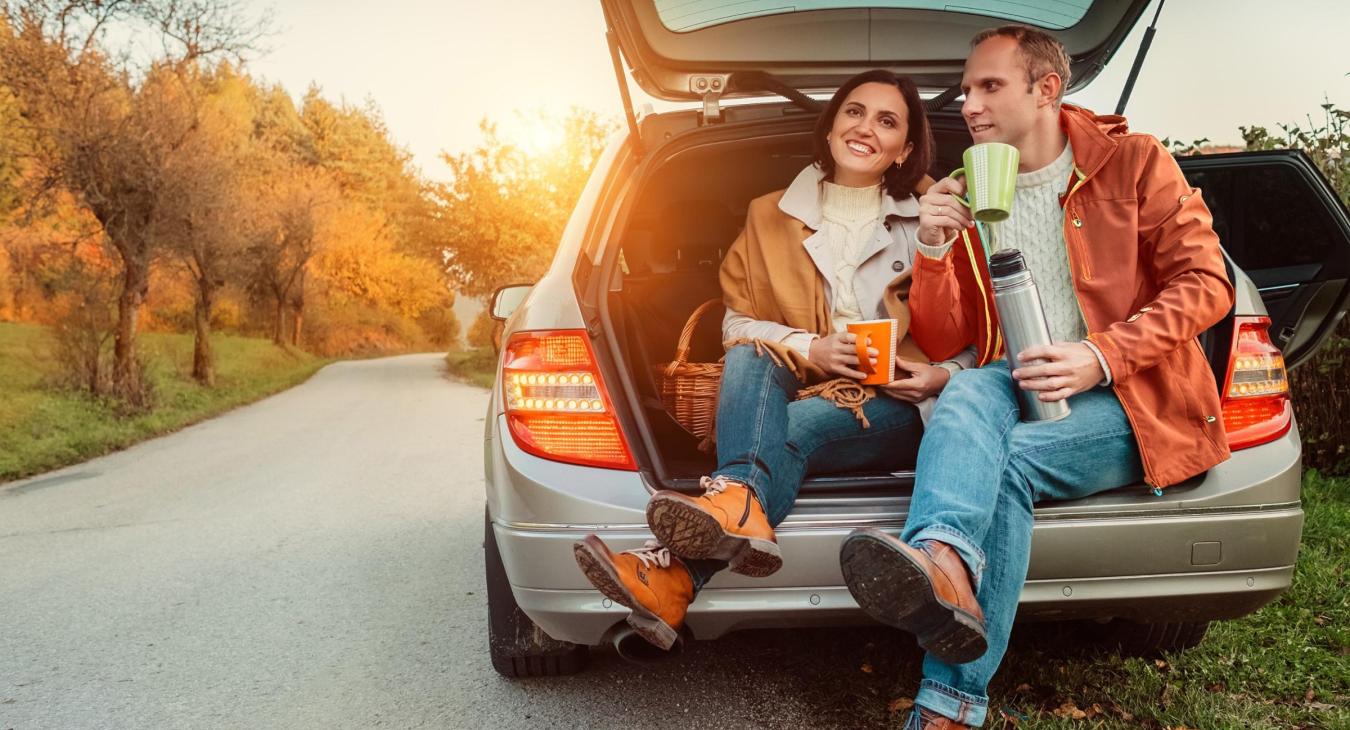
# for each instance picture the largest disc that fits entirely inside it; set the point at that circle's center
(878, 333)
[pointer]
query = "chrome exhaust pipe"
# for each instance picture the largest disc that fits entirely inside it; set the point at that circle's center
(633, 647)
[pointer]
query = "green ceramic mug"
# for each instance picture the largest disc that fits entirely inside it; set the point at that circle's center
(991, 177)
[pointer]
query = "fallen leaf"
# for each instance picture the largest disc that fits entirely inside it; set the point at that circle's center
(1320, 706)
(1159, 663)
(1310, 696)
(900, 704)
(866, 668)
(1094, 710)
(1023, 687)
(1069, 710)
(1217, 687)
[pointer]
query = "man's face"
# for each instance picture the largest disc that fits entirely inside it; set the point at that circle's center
(998, 106)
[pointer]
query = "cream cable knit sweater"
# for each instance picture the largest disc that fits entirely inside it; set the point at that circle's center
(849, 216)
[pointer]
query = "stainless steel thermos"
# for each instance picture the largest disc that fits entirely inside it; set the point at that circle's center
(1022, 320)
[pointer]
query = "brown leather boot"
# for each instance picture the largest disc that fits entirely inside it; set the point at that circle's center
(725, 523)
(648, 580)
(925, 719)
(925, 590)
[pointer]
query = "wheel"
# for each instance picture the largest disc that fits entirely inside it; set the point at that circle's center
(518, 647)
(1136, 639)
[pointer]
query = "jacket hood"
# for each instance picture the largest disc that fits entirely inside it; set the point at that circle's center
(1094, 136)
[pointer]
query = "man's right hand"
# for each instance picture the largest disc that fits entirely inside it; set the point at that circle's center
(837, 354)
(941, 215)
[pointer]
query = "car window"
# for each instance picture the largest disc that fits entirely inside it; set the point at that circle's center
(1267, 220)
(687, 15)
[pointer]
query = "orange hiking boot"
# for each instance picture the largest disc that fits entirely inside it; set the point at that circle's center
(656, 588)
(726, 523)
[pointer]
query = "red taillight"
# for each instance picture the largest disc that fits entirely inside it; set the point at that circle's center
(1256, 406)
(556, 403)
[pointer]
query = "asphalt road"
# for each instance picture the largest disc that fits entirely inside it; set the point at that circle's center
(315, 560)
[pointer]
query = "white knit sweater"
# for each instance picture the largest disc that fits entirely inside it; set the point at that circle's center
(1035, 226)
(849, 217)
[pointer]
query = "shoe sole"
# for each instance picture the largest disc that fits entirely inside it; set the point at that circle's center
(692, 533)
(893, 589)
(599, 570)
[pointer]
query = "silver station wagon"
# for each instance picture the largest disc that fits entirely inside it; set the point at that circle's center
(578, 437)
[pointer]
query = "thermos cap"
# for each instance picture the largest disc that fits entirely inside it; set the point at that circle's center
(1006, 263)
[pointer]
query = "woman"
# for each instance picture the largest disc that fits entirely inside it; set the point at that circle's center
(835, 247)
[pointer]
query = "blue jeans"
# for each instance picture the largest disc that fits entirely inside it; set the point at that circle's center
(980, 469)
(770, 441)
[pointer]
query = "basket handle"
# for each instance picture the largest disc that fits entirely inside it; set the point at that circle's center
(687, 334)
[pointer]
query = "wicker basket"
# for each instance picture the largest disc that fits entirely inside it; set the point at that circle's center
(689, 389)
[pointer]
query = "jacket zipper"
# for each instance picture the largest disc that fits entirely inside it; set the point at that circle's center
(1071, 214)
(1076, 241)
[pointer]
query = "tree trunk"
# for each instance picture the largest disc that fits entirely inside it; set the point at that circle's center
(203, 359)
(278, 327)
(94, 345)
(126, 371)
(297, 319)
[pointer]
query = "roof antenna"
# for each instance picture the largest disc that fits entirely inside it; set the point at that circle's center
(1138, 61)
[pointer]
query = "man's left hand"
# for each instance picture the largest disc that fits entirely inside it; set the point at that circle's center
(921, 381)
(1067, 368)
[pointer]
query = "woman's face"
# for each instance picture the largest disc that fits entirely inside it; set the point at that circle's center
(869, 134)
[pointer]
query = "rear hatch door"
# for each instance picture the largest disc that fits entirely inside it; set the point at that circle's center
(687, 49)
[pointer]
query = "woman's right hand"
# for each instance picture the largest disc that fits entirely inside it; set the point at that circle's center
(837, 354)
(941, 215)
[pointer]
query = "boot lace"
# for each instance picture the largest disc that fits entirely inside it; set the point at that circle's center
(712, 487)
(652, 554)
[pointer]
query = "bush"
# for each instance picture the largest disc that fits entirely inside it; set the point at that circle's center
(359, 330)
(480, 332)
(80, 342)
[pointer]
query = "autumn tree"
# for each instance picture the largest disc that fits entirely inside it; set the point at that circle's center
(110, 127)
(499, 218)
(200, 219)
(353, 145)
(288, 236)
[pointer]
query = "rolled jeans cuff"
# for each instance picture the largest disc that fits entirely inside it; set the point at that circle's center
(953, 704)
(970, 553)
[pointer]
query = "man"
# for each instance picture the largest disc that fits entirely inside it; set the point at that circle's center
(1130, 272)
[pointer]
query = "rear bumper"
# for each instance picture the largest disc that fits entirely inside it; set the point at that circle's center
(1218, 548)
(552, 591)
(583, 616)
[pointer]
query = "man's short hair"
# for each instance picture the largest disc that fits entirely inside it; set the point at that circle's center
(1040, 50)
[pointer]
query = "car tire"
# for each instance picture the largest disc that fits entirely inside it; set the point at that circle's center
(1149, 640)
(517, 646)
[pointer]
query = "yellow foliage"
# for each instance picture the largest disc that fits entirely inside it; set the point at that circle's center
(358, 263)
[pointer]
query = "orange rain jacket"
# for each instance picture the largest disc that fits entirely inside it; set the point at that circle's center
(1149, 278)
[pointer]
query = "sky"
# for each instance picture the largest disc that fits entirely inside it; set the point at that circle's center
(435, 69)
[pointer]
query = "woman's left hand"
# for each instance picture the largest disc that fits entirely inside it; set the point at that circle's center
(923, 381)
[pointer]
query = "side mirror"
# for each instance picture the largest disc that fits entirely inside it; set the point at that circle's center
(507, 299)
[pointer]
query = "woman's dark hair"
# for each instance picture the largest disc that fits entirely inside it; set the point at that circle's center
(898, 181)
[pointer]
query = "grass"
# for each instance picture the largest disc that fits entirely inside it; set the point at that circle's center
(43, 427)
(476, 366)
